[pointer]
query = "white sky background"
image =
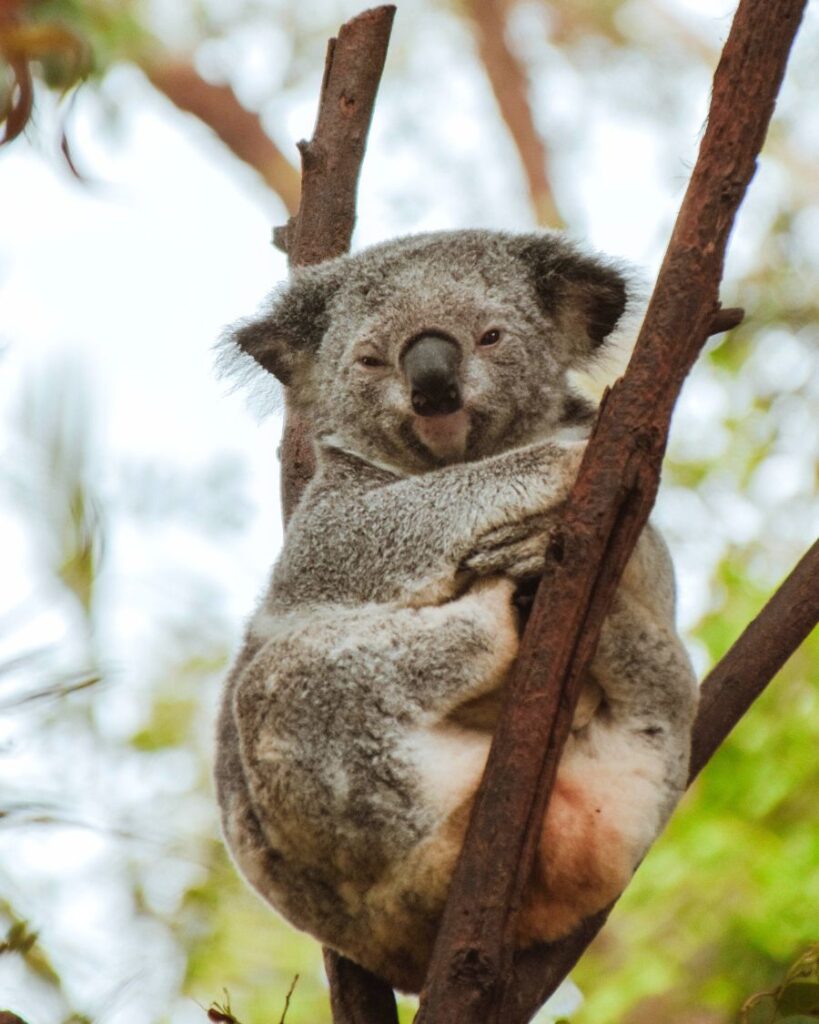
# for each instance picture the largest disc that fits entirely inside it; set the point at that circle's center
(129, 282)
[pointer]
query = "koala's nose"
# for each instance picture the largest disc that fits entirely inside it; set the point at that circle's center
(430, 365)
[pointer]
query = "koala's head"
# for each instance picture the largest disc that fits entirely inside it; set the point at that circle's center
(438, 348)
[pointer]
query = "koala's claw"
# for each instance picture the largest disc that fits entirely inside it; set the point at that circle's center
(517, 560)
(515, 550)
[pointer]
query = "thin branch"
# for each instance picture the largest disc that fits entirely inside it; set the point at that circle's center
(767, 642)
(239, 129)
(510, 85)
(471, 976)
(322, 229)
(331, 164)
(727, 692)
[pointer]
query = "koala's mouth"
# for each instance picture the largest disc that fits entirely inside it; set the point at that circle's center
(445, 435)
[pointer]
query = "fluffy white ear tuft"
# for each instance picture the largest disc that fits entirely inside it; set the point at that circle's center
(285, 336)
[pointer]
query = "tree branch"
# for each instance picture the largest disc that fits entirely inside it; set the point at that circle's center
(356, 995)
(330, 167)
(511, 88)
(471, 977)
(239, 129)
(727, 692)
(765, 645)
(322, 228)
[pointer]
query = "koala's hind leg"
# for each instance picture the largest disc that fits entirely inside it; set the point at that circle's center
(601, 817)
(623, 771)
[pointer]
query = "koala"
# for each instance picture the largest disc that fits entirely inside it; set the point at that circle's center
(356, 721)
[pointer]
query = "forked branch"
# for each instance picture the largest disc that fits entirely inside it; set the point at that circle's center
(472, 977)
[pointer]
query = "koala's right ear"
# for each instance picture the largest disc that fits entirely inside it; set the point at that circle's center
(284, 338)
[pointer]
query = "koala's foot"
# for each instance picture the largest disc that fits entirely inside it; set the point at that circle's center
(516, 550)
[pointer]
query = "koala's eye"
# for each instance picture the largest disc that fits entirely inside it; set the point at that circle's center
(490, 338)
(370, 361)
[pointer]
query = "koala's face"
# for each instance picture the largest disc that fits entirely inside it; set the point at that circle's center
(437, 348)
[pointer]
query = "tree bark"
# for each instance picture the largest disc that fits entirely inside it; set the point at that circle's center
(331, 164)
(471, 977)
(356, 995)
(727, 692)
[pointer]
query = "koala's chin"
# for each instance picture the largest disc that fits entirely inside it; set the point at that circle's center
(444, 436)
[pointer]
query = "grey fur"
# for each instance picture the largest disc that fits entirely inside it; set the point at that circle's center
(356, 719)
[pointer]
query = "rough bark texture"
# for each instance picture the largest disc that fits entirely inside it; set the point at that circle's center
(727, 693)
(238, 128)
(330, 167)
(471, 978)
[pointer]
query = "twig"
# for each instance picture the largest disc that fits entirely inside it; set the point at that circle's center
(287, 998)
(763, 648)
(471, 977)
(322, 229)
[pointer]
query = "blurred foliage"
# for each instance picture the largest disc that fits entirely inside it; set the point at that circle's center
(728, 896)
(795, 1001)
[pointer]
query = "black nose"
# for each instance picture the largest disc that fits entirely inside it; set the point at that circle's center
(431, 368)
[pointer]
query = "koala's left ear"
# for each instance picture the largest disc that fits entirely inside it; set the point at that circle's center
(285, 336)
(578, 289)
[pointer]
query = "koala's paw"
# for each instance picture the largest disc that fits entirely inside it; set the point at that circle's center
(516, 550)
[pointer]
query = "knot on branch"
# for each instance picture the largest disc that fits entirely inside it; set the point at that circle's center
(732, 190)
(347, 104)
(474, 968)
(646, 439)
(471, 967)
(283, 234)
(312, 155)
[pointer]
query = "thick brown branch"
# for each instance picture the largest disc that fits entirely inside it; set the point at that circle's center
(511, 88)
(322, 229)
(727, 692)
(471, 975)
(331, 163)
(238, 128)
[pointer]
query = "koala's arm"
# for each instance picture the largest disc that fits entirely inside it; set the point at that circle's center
(407, 540)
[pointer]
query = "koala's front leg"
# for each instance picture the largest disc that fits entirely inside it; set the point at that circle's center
(408, 540)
